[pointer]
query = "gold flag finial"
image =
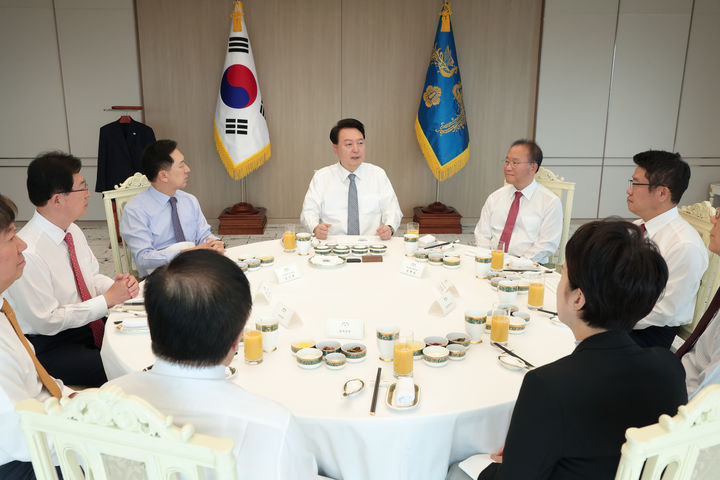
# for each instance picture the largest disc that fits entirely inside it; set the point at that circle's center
(445, 13)
(237, 17)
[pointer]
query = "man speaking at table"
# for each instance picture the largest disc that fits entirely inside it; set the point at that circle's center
(350, 197)
(61, 299)
(163, 214)
(197, 307)
(523, 214)
(655, 189)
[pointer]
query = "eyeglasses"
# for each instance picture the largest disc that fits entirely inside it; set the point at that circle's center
(83, 188)
(514, 163)
(632, 183)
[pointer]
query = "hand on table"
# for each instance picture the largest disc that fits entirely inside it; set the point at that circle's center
(497, 457)
(384, 232)
(124, 288)
(321, 231)
(211, 244)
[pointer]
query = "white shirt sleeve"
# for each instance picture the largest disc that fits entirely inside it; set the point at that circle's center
(310, 215)
(483, 229)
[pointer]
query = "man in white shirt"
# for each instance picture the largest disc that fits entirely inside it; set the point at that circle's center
(62, 298)
(656, 187)
(163, 214)
(350, 197)
(523, 214)
(204, 291)
(19, 377)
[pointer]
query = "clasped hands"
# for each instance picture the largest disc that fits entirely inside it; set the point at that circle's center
(321, 231)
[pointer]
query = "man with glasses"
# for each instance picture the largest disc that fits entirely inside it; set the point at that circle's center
(656, 187)
(523, 214)
(61, 299)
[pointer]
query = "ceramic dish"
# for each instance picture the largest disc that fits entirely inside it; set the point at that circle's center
(355, 352)
(267, 261)
(517, 325)
(451, 262)
(512, 363)
(253, 264)
(326, 261)
(524, 315)
(309, 358)
(457, 351)
(378, 249)
(298, 345)
(435, 258)
(390, 399)
(417, 350)
(421, 255)
(230, 372)
(435, 340)
(322, 250)
(243, 266)
(458, 338)
(131, 331)
(495, 281)
(328, 346)
(335, 361)
(435, 356)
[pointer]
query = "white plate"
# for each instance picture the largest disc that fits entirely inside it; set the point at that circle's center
(390, 399)
(326, 261)
(131, 331)
(511, 363)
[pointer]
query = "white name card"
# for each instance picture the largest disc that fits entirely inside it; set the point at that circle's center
(264, 294)
(442, 305)
(287, 317)
(412, 268)
(345, 328)
(287, 273)
(446, 286)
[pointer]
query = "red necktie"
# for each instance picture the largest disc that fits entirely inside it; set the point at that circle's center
(97, 326)
(643, 230)
(701, 326)
(510, 222)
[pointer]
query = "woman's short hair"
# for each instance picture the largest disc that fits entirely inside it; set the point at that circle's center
(620, 273)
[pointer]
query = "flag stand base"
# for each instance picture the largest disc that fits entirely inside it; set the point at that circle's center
(437, 218)
(242, 219)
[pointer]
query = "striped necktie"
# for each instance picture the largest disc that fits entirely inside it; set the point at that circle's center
(510, 222)
(97, 326)
(353, 225)
(177, 228)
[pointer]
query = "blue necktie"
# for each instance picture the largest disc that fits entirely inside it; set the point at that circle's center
(353, 226)
(177, 228)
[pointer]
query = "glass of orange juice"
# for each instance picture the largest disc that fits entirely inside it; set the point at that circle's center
(252, 339)
(498, 257)
(288, 238)
(403, 354)
(536, 291)
(500, 326)
(413, 228)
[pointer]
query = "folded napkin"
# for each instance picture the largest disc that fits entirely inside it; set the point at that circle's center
(405, 392)
(134, 323)
(521, 262)
(426, 240)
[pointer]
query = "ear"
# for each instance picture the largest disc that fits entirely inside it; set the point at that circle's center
(162, 175)
(578, 299)
(56, 200)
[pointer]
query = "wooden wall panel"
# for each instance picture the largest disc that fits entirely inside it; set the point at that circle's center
(324, 60)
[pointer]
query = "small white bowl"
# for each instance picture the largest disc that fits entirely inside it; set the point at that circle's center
(328, 346)
(309, 358)
(435, 340)
(354, 351)
(524, 315)
(335, 361)
(457, 351)
(458, 338)
(517, 325)
(435, 356)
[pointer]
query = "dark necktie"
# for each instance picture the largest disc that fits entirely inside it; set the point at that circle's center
(701, 326)
(510, 222)
(643, 230)
(97, 326)
(47, 381)
(177, 228)
(353, 226)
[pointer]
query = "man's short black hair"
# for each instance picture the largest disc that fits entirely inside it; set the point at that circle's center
(8, 210)
(51, 173)
(345, 123)
(620, 274)
(536, 155)
(156, 157)
(665, 169)
(197, 305)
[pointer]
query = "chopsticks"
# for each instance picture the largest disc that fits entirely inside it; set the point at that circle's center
(437, 245)
(547, 311)
(375, 392)
(510, 352)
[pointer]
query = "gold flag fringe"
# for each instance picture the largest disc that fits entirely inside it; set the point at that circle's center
(246, 166)
(441, 172)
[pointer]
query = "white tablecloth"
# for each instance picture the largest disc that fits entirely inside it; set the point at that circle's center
(464, 407)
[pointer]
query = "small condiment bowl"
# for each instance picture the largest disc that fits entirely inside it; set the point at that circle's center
(253, 264)
(517, 325)
(524, 315)
(512, 308)
(243, 265)
(451, 261)
(328, 346)
(435, 258)
(435, 356)
(298, 345)
(341, 250)
(322, 250)
(421, 255)
(309, 358)
(267, 260)
(378, 249)
(355, 352)
(495, 281)
(418, 350)
(435, 340)
(458, 338)
(523, 286)
(360, 249)
(335, 361)
(457, 351)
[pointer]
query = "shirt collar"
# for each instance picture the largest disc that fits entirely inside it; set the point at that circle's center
(158, 196)
(529, 190)
(56, 234)
(344, 172)
(611, 339)
(653, 225)
(164, 367)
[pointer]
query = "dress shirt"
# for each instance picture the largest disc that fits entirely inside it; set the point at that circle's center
(18, 381)
(687, 259)
(326, 200)
(267, 442)
(146, 226)
(45, 298)
(702, 362)
(538, 228)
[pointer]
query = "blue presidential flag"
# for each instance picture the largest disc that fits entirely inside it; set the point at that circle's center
(440, 125)
(240, 130)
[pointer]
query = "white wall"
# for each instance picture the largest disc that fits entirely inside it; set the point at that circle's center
(620, 77)
(62, 66)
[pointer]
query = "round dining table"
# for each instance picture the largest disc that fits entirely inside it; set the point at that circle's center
(464, 406)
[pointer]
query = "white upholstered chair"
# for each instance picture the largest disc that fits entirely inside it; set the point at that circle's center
(669, 449)
(122, 194)
(104, 424)
(698, 215)
(561, 188)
